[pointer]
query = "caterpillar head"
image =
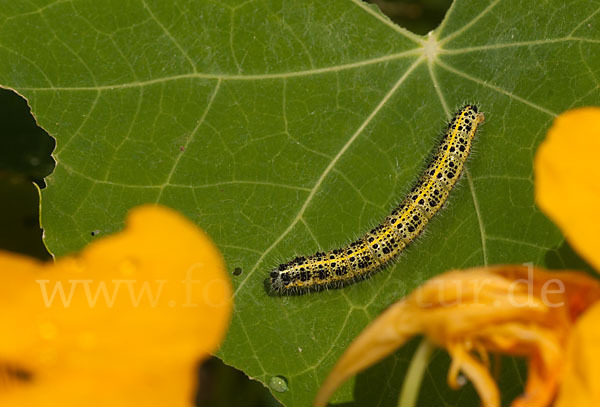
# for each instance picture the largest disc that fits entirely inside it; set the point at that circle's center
(280, 279)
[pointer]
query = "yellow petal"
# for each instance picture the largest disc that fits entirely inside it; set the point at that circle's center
(136, 313)
(567, 179)
(580, 386)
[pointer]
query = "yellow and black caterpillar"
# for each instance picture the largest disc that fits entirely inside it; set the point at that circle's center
(382, 245)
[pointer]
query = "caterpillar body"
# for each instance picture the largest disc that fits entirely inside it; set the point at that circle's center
(383, 244)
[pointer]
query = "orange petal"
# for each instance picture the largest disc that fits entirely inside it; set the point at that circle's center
(580, 385)
(385, 334)
(567, 179)
(136, 313)
(482, 380)
(543, 347)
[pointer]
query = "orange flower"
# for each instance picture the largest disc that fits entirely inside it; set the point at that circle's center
(123, 323)
(508, 309)
(553, 319)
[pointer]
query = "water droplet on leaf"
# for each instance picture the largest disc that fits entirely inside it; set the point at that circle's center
(278, 384)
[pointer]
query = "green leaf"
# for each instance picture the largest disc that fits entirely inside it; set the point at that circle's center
(286, 127)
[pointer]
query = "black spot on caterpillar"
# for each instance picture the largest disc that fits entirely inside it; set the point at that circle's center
(381, 246)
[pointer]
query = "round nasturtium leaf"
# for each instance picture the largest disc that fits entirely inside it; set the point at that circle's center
(283, 128)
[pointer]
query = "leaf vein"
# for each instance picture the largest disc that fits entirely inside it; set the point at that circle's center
(189, 140)
(328, 169)
(496, 88)
(232, 77)
(169, 35)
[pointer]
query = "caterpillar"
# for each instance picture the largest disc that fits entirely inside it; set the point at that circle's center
(383, 244)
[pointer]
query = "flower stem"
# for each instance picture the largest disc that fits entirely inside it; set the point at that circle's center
(414, 376)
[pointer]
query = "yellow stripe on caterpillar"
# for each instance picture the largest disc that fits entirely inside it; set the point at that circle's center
(383, 244)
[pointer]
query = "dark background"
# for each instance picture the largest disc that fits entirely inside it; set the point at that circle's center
(25, 159)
